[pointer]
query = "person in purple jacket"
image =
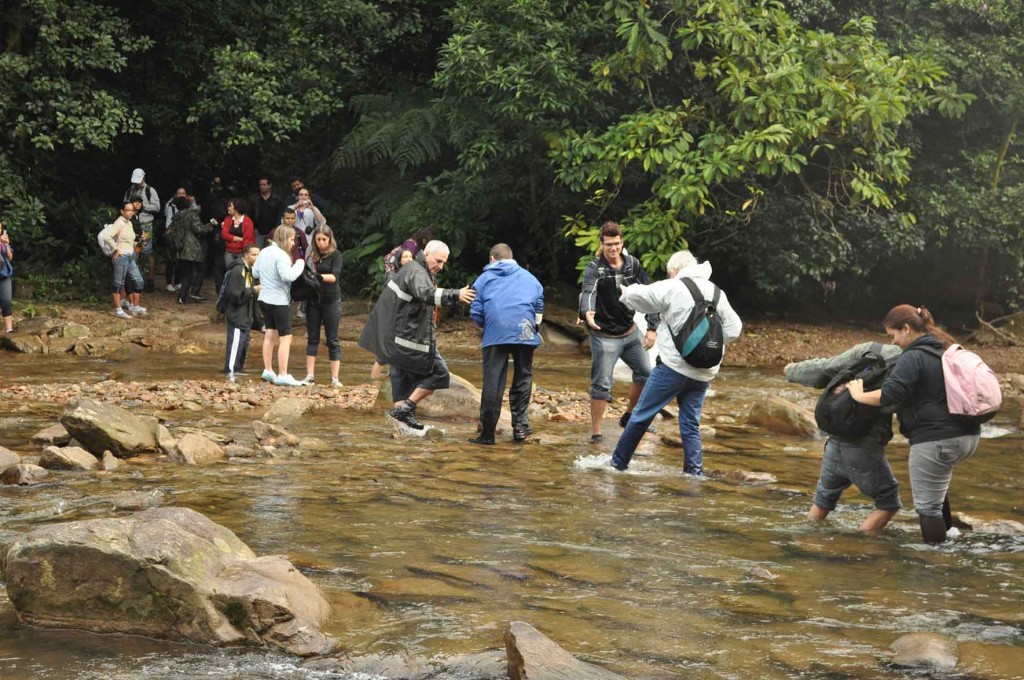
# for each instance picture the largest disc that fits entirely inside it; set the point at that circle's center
(509, 307)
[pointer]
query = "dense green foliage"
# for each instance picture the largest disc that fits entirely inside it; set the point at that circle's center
(868, 144)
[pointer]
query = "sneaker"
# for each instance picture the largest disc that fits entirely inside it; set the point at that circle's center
(336, 383)
(596, 438)
(231, 377)
(521, 432)
(487, 441)
(268, 375)
(121, 314)
(308, 380)
(137, 311)
(197, 298)
(406, 414)
(125, 305)
(287, 380)
(299, 314)
(696, 473)
(625, 418)
(617, 466)
(171, 288)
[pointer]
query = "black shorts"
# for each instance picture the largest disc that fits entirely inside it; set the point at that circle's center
(277, 318)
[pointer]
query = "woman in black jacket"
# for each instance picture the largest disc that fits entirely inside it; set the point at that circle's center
(916, 389)
(325, 309)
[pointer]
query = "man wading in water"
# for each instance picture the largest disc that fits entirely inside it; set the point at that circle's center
(401, 330)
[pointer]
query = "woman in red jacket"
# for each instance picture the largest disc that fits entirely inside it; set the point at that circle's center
(237, 232)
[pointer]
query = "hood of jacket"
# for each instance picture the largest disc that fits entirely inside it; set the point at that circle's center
(503, 267)
(695, 271)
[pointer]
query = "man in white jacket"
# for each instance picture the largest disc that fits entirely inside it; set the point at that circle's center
(673, 378)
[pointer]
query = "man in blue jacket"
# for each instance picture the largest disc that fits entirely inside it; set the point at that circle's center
(509, 306)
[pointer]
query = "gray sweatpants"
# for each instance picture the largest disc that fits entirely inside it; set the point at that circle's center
(931, 469)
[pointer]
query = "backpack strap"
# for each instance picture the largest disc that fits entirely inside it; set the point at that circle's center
(930, 350)
(695, 293)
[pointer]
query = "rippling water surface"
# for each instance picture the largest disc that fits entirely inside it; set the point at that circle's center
(430, 547)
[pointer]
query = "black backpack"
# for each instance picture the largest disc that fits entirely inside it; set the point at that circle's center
(701, 340)
(307, 286)
(837, 413)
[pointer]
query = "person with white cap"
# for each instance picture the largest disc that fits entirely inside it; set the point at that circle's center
(151, 210)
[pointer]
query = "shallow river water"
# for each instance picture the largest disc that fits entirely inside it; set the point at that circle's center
(645, 573)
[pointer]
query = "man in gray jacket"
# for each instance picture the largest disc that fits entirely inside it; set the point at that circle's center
(860, 461)
(673, 377)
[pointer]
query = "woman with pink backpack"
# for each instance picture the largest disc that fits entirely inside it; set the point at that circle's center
(916, 390)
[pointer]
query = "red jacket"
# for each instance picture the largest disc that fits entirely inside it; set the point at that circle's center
(248, 234)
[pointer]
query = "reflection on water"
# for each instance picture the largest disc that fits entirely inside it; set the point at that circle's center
(645, 572)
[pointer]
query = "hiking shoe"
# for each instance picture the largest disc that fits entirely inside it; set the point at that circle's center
(287, 380)
(121, 314)
(406, 414)
(521, 432)
(596, 438)
(487, 441)
(137, 311)
(268, 375)
(196, 298)
(124, 305)
(336, 383)
(625, 418)
(696, 473)
(308, 380)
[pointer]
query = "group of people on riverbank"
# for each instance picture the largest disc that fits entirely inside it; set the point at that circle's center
(688, 319)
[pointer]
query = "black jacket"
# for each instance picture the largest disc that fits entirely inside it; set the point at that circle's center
(601, 290)
(266, 214)
(400, 329)
(238, 293)
(917, 390)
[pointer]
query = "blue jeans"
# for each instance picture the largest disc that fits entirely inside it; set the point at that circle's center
(5, 296)
(125, 267)
(605, 351)
(663, 386)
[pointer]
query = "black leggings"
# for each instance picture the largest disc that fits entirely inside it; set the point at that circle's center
(191, 275)
(329, 314)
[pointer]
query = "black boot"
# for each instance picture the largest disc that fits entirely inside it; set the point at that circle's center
(933, 528)
(947, 514)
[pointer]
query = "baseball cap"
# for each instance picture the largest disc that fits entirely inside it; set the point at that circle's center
(138, 174)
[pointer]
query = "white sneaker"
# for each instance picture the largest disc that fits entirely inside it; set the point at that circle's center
(269, 376)
(137, 311)
(287, 380)
(171, 288)
(308, 380)
(336, 383)
(121, 314)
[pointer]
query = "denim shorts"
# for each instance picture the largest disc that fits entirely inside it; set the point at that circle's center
(865, 466)
(125, 268)
(605, 351)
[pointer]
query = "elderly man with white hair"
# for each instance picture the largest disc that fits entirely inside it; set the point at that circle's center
(401, 331)
(673, 378)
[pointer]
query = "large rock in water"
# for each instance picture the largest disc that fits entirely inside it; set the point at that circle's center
(167, 573)
(287, 409)
(23, 474)
(926, 650)
(68, 458)
(533, 656)
(8, 458)
(103, 427)
(461, 401)
(195, 449)
(778, 415)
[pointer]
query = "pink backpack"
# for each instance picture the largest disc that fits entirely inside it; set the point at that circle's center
(972, 388)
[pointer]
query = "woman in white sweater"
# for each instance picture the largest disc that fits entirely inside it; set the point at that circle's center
(276, 271)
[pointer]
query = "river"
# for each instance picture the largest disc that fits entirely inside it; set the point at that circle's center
(645, 573)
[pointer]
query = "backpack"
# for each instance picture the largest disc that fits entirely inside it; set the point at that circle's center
(222, 300)
(972, 388)
(307, 286)
(104, 246)
(701, 340)
(837, 413)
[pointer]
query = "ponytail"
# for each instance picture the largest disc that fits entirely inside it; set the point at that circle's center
(919, 319)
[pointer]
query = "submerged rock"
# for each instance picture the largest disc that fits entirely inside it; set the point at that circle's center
(54, 434)
(533, 656)
(273, 435)
(166, 573)
(996, 525)
(778, 415)
(23, 474)
(69, 458)
(461, 401)
(195, 449)
(925, 650)
(100, 427)
(742, 476)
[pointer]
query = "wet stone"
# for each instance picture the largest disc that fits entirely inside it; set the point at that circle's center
(420, 589)
(925, 650)
(110, 462)
(23, 474)
(70, 458)
(8, 458)
(534, 656)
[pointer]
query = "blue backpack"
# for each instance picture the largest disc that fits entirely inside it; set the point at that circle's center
(701, 340)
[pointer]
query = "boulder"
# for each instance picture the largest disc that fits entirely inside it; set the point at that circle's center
(991, 525)
(110, 462)
(69, 458)
(8, 458)
(54, 434)
(23, 344)
(99, 427)
(23, 474)
(783, 417)
(925, 650)
(167, 573)
(195, 449)
(287, 409)
(56, 345)
(273, 435)
(74, 330)
(533, 656)
(164, 440)
(37, 325)
(461, 401)
(238, 451)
